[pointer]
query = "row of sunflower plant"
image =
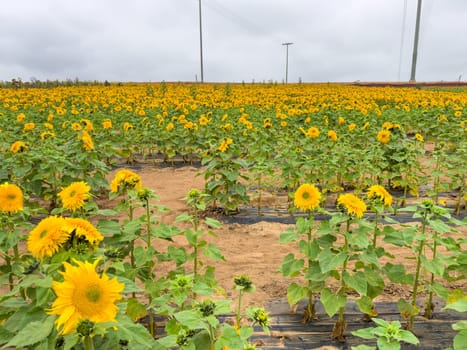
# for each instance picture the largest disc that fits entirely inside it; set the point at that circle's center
(354, 251)
(323, 134)
(72, 284)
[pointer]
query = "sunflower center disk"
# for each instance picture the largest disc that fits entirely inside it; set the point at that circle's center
(93, 294)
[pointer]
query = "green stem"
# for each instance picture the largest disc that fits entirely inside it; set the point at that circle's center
(259, 195)
(344, 269)
(148, 225)
(429, 303)
(10, 274)
(311, 312)
(417, 273)
(88, 343)
(375, 233)
(239, 309)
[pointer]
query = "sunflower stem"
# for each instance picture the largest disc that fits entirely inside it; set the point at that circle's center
(88, 343)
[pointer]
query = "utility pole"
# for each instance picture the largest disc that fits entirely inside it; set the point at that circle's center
(415, 42)
(286, 60)
(201, 42)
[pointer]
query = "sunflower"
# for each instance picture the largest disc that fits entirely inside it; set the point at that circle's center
(46, 134)
(419, 137)
(17, 146)
(47, 237)
(352, 126)
(312, 132)
(125, 179)
(340, 120)
(379, 193)
(82, 228)
(332, 135)
(20, 117)
(76, 126)
(225, 145)
(84, 295)
(203, 121)
(107, 124)
(169, 127)
(354, 205)
(88, 145)
(307, 197)
(384, 136)
(74, 196)
(127, 126)
(11, 198)
(29, 126)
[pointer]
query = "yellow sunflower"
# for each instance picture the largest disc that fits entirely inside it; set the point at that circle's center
(353, 205)
(29, 126)
(11, 198)
(47, 237)
(74, 196)
(419, 137)
(313, 132)
(107, 124)
(17, 146)
(384, 136)
(379, 192)
(225, 145)
(307, 197)
(332, 135)
(125, 179)
(84, 295)
(82, 228)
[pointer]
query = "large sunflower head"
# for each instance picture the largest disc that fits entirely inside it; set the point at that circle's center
(47, 237)
(307, 197)
(82, 229)
(84, 295)
(352, 204)
(75, 195)
(11, 198)
(125, 179)
(379, 193)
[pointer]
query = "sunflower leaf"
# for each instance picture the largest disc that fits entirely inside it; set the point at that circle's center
(33, 333)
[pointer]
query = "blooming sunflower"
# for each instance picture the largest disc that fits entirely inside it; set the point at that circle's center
(354, 205)
(29, 126)
(419, 137)
(17, 146)
(47, 237)
(313, 132)
(75, 195)
(125, 179)
(11, 198)
(307, 197)
(225, 145)
(384, 136)
(332, 135)
(107, 124)
(379, 192)
(82, 228)
(84, 295)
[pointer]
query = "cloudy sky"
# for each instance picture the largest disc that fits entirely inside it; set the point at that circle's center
(155, 40)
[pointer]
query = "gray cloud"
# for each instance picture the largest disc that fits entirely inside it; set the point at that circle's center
(144, 40)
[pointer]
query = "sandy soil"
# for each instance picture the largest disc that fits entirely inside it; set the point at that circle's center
(250, 249)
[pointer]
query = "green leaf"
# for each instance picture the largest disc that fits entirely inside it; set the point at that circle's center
(332, 302)
(183, 217)
(295, 293)
(33, 333)
(384, 344)
(329, 261)
(408, 337)
(191, 319)
(358, 282)
(213, 252)
(229, 338)
(213, 223)
(435, 266)
(135, 310)
(365, 304)
(291, 266)
(459, 306)
(363, 347)
(130, 286)
(460, 340)
(136, 334)
(439, 226)
(364, 333)
(406, 310)
(288, 236)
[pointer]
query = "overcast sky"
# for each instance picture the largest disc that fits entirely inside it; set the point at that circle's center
(155, 40)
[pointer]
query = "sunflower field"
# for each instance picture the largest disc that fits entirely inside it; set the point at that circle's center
(78, 276)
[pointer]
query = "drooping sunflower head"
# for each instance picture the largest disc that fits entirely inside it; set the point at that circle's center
(17, 146)
(351, 204)
(11, 198)
(83, 230)
(84, 295)
(384, 136)
(75, 195)
(307, 197)
(124, 180)
(379, 193)
(47, 237)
